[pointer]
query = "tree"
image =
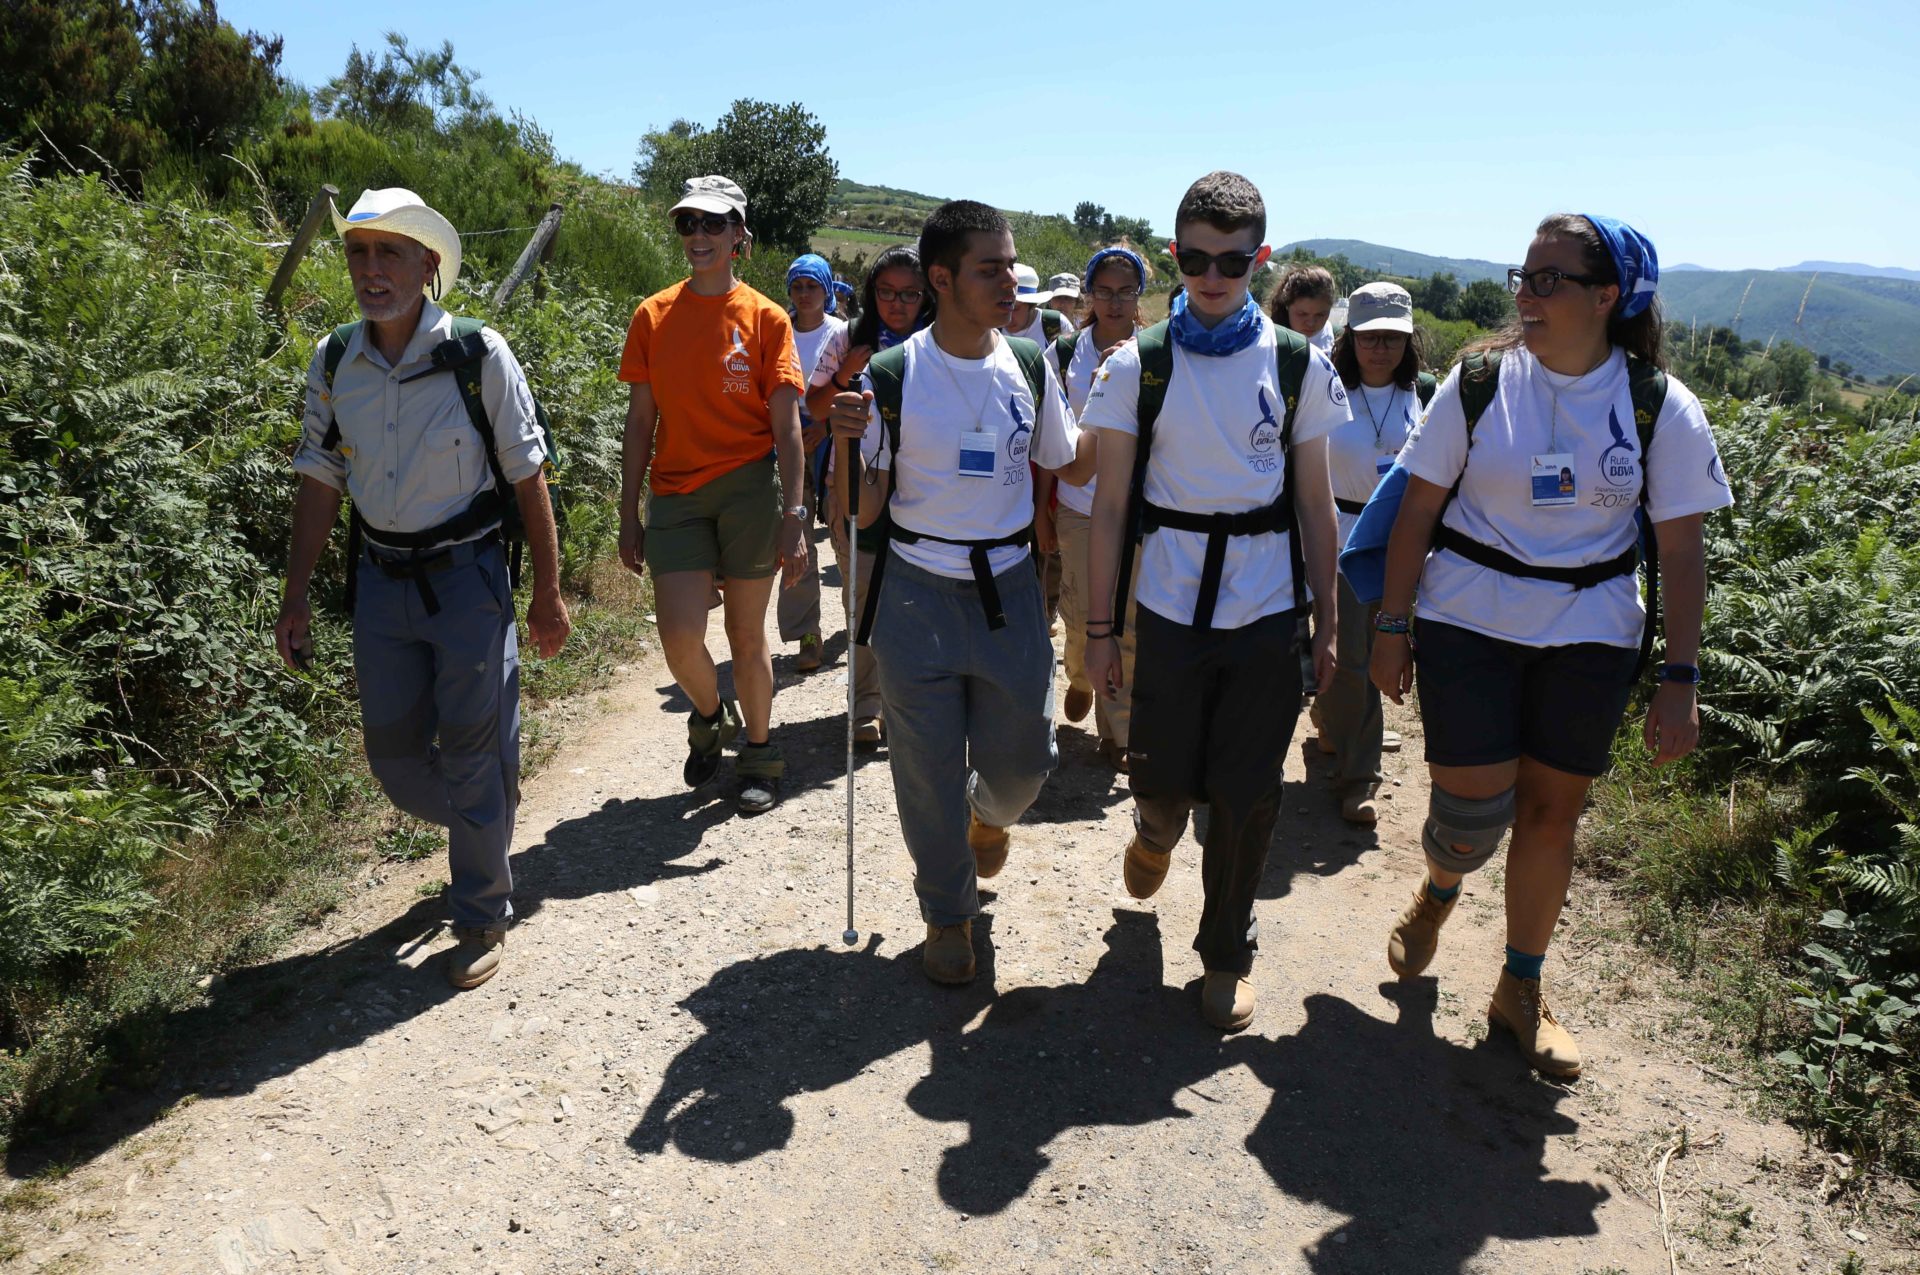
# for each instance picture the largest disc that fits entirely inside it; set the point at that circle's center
(1135, 230)
(1087, 216)
(207, 86)
(1438, 296)
(777, 154)
(407, 88)
(1486, 303)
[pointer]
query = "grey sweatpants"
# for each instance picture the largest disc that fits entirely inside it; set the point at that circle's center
(797, 610)
(453, 678)
(969, 718)
(1350, 712)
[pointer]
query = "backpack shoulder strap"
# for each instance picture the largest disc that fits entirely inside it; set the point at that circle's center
(887, 371)
(1033, 366)
(1425, 385)
(1293, 352)
(1647, 385)
(335, 353)
(1479, 381)
(462, 354)
(1051, 321)
(1063, 348)
(1156, 369)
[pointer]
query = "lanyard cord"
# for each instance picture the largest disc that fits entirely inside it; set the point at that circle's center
(1379, 425)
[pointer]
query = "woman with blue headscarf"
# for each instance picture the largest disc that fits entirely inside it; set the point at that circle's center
(1529, 637)
(811, 302)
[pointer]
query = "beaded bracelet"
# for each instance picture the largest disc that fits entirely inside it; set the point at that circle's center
(1398, 624)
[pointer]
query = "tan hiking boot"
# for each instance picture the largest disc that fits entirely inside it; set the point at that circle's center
(475, 957)
(1521, 1007)
(1417, 933)
(1227, 1000)
(948, 954)
(868, 732)
(1320, 739)
(806, 658)
(1144, 868)
(1079, 704)
(1114, 754)
(1362, 808)
(989, 845)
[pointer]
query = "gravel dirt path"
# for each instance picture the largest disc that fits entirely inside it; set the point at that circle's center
(681, 1068)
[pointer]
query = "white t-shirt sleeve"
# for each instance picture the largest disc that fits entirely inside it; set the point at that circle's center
(1683, 473)
(831, 355)
(1323, 400)
(1437, 449)
(1114, 401)
(1059, 435)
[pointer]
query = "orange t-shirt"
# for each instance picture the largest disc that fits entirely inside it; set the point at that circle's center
(713, 363)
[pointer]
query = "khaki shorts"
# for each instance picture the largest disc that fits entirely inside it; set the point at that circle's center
(730, 527)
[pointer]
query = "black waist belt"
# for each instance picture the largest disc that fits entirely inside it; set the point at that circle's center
(418, 564)
(1217, 528)
(1582, 577)
(1346, 506)
(977, 558)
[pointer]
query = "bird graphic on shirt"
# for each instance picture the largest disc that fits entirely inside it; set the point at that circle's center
(1016, 449)
(1616, 474)
(1266, 431)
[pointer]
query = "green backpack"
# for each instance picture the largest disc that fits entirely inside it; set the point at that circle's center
(1647, 388)
(1156, 369)
(461, 354)
(886, 372)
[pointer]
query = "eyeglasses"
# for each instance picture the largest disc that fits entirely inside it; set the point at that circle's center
(910, 296)
(1379, 340)
(1116, 294)
(688, 223)
(1233, 265)
(1543, 282)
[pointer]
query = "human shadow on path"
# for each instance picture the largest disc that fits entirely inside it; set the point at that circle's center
(1044, 1059)
(1311, 839)
(1429, 1147)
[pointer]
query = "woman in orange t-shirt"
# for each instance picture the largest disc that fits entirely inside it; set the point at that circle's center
(715, 395)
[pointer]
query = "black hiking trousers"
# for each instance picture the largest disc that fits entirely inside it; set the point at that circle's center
(1213, 712)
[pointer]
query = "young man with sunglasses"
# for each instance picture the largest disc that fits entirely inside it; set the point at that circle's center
(1235, 511)
(955, 413)
(715, 394)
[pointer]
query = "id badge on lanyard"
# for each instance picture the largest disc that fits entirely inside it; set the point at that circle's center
(979, 453)
(1553, 483)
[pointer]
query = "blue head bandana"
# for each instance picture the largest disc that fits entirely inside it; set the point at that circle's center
(1633, 259)
(1229, 336)
(813, 266)
(1105, 255)
(842, 292)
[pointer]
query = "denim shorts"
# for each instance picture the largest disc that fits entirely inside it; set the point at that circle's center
(1485, 700)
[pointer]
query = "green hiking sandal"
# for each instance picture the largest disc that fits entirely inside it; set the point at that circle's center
(757, 774)
(705, 739)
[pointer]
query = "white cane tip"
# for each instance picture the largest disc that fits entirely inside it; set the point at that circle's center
(850, 937)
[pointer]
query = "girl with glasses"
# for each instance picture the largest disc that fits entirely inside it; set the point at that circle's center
(1114, 280)
(1531, 626)
(1378, 359)
(895, 302)
(715, 394)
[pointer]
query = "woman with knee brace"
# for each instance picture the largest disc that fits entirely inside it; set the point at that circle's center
(1531, 625)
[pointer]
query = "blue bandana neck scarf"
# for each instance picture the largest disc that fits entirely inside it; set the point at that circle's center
(1229, 336)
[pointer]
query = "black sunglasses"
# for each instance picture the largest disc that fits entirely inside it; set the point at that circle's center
(1543, 282)
(710, 223)
(1233, 265)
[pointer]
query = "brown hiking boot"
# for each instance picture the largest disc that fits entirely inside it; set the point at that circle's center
(1320, 739)
(948, 954)
(1362, 808)
(989, 845)
(1521, 1007)
(806, 658)
(1144, 868)
(1079, 704)
(475, 957)
(868, 733)
(1226, 999)
(1114, 754)
(1417, 933)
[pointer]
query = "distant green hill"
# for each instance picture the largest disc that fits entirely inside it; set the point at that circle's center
(1868, 321)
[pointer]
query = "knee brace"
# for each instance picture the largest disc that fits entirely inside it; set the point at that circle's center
(1460, 821)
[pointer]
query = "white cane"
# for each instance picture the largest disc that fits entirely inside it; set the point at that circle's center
(851, 935)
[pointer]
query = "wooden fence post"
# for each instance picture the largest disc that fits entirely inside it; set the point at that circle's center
(546, 259)
(530, 257)
(302, 240)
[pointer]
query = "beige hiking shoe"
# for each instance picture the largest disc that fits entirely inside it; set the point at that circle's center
(807, 658)
(1227, 1000)
(1079, 704)
(1417, 933)
(1320, 739)
(989, 845)
(475, 957)
(948, 954)
(1521, 1007)
(868, 733)
(1362, 808)
(1144, 868)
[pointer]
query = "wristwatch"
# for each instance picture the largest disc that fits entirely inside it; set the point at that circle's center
(795, 511)
(1685, 674)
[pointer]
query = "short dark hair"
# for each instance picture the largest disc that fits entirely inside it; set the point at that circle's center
(1226, 201)
(943, 240)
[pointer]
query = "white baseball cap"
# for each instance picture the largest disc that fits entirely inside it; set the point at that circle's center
(401, 212)
(713, 194)
(1380, 307)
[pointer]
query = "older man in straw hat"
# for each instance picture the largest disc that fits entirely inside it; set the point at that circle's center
(427, 421)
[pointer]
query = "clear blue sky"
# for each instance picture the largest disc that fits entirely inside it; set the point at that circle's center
(1742, 134)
